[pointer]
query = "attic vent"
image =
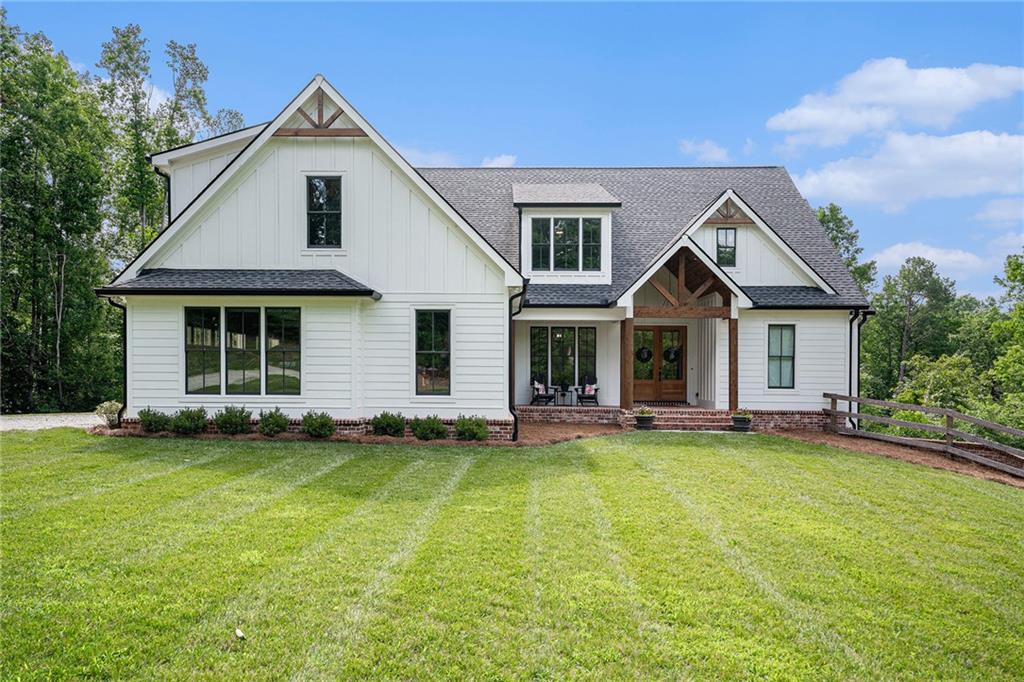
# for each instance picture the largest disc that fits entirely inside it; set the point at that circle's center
(319, 127)
(729, 213)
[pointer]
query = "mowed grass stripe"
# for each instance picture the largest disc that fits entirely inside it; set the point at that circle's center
(20, 451)
(853, 586)
(314, 587)
(345, 633)
(710, 524)
(720, 622)
(457, 609)
(169, 598)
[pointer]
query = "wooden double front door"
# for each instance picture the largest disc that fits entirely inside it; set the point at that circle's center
(659, 363)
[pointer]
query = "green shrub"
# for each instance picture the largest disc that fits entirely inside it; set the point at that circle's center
(471, 428)
(273, 422)
(317, 424)
(428, 428)
(109, 411)
(388, 424)
(189, 421)
(154, 421)
(911, 416)
(232, 420)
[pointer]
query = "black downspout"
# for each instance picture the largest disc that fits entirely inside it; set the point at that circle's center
(512, 358)
(854, 313)
(124, 359)
(864, 314)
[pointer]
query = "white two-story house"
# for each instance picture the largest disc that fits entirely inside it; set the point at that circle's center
(308, 266)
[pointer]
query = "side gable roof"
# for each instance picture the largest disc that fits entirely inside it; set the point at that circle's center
(657, 204)
(512, 276)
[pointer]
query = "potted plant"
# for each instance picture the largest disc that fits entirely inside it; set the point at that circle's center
(741, 420)
(644, 419)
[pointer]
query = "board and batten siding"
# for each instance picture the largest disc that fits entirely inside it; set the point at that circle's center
(190, 175)
(759, 262)
(822, 359)
(393, 238)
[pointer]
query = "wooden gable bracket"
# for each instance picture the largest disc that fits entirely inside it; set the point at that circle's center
(319, 127)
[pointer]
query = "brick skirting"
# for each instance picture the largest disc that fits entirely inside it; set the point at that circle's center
(501, 429)
(684, 418)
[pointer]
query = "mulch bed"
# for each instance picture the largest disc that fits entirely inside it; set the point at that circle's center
(530, 434)
(906, 453)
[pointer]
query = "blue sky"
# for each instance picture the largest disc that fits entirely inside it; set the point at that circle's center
(909, 116)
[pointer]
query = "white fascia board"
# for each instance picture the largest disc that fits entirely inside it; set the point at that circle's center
(163, 160)
(626, 299)
(571, 314)
(766, 229)
(512, 276)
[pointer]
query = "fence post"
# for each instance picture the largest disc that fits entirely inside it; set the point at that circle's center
(949, 427)
(835, 419)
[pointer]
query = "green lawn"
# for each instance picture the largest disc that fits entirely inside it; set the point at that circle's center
(641, 555)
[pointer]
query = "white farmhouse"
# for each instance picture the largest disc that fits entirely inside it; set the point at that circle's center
(308, 266)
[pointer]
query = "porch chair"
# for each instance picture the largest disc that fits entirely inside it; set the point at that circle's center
(542, 393)
(587, 393)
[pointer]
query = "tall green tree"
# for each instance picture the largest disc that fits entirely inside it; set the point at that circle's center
(839, 228)
(915, 314)
(53, 142)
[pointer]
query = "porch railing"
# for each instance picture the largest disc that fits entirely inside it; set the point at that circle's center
(949, 439)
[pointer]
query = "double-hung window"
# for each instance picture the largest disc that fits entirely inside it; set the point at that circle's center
(569, 244)
(323, 212)
(726, 238)
(433, 352)
(781, 355)
(255, 360)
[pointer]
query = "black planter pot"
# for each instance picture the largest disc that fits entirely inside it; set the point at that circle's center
(645, 422)
(740, 422)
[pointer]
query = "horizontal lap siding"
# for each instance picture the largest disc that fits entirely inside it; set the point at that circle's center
(156, 352)
(478, 345)
(822, 358)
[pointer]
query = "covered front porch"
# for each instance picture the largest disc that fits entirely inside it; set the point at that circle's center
(671, 343)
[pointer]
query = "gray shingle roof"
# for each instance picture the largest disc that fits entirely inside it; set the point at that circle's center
(581, 193)
(272, 282)
(794, 297)
(657, 203)
(577, 294)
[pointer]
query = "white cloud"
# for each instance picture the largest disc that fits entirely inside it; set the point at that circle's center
(499, 161)
(956, 261)
(704, 150)
(908, 168)
(1007, 243)
(418, 157)
(157, 96)
(884, 93)
(1002, 212)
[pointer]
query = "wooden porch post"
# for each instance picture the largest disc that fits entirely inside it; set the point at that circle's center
(734, 384)
(626, 364)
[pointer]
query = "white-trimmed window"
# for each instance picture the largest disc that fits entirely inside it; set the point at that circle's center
(323, 211)
(781, 355)
(433, 353)
(725, 238)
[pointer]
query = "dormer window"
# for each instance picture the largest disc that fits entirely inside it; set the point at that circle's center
(323, 212)
(566, 244)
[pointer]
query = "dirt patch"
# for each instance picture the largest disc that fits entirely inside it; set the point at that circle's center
(927, 458)
(530, 434)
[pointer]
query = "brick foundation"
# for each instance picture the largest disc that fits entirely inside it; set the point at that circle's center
(787, 420)
(570, 415)
(675, 418)
(501, 429)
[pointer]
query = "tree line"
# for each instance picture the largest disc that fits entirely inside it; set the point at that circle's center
(78, 200)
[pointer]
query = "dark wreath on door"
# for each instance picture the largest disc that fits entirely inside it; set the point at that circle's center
(659, 363)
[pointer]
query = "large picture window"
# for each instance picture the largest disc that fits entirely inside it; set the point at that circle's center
(202, 350)
(323, 211)
(248, 351)
(433, 352)
(569, 244)
(726, 255)
(781, 355)
(284, 351)
(242, 350)
(563, 356)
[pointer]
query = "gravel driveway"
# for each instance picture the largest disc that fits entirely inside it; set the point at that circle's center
(35, 422)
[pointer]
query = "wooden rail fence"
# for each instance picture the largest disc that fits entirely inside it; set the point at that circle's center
(949, 439)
